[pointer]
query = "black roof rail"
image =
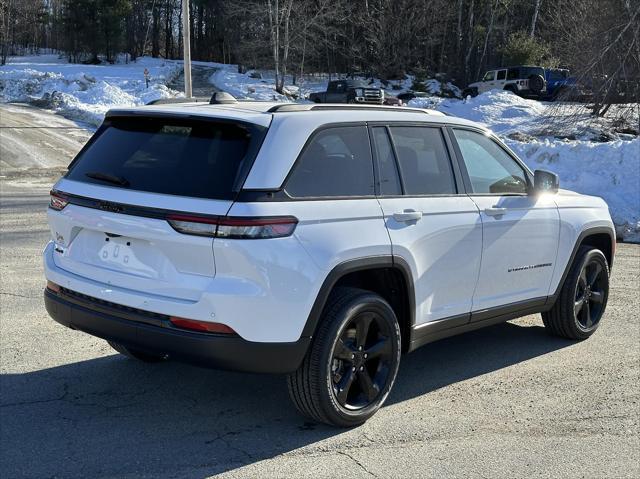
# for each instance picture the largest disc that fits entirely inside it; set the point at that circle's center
(291, 107)
(169, 101)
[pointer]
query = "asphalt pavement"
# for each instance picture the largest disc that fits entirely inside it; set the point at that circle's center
(37, 141)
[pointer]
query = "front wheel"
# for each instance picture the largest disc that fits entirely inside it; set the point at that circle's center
(583, 297)
(352, 363)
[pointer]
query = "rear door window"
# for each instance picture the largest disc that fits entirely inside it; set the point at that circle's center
(336, 162)
(424, 163)
(201, 159)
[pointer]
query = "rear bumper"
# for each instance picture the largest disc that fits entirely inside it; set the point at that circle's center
(155, 334)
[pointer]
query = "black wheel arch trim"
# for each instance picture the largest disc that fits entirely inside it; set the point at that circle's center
(581, 237)
(352, 266)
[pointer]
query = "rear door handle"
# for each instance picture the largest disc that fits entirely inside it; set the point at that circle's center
(495, 211)
(408, 215)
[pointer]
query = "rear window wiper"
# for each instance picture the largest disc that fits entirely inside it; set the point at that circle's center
(116, 180)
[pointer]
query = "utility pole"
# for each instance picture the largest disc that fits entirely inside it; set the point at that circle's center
(186, 41)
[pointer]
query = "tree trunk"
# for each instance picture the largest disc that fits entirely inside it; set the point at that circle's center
(486, 38)
(274, 28)
(155, 32)
(285, 46)
(471, 42)
(534, 18)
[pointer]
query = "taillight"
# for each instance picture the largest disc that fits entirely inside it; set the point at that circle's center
(53, 287)
(194, 225)
(234, 227)
(256, 228)
(57, 201)
(202, 326)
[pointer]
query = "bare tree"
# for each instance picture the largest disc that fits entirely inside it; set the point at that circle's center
(534, 18)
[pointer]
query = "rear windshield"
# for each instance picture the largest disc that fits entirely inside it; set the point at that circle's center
(202, 159)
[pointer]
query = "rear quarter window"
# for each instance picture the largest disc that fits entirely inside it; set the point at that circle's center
(202, 159)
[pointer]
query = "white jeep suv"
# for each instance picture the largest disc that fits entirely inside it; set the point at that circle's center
(320, 241)
(526, 81)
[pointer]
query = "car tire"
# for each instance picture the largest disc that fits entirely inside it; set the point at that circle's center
(472, 92)
(578, 309)
(136, 353)
(341, 382)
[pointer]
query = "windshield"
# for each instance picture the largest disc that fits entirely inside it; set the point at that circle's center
(202, 159)
(489, 76)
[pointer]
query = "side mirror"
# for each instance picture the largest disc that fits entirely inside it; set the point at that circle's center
(545, 182)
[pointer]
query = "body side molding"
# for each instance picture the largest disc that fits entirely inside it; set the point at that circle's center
(443, 328)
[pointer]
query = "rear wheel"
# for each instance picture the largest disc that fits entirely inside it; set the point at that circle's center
(352, 363)
(583, 297)
(136, 353)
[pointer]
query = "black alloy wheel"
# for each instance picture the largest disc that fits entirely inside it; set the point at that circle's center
(582, 300)
(352, 362)
(361, 360)
(591, 291)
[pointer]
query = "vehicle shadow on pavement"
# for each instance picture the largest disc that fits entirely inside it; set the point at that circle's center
(111, 416)
(469, 355)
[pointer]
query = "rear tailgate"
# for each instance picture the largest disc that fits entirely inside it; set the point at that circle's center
(120, 189)
(141, 253)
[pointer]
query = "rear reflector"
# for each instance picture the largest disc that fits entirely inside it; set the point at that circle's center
(53, 287)
(202, 326)
(234, 227)
(57, 201)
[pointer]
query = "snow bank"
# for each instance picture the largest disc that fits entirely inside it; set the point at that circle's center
(609, 170)
(501, 111)
(507, 114)
(84, 92)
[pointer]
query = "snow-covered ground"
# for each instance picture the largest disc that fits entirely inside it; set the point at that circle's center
(593, 156)
(84, 92)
